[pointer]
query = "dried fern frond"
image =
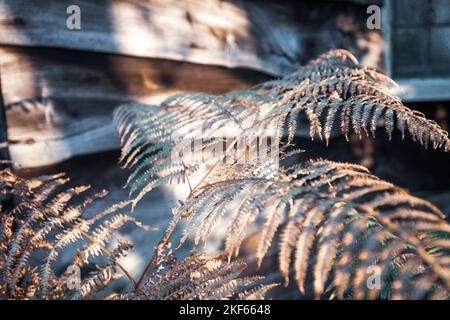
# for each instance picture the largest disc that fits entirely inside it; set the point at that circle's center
(46, 220)
(329, 88)
(200, 277)
(355, 220)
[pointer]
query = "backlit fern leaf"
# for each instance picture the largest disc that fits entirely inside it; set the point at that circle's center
(356, 220)
(43, 223)
(332, 90)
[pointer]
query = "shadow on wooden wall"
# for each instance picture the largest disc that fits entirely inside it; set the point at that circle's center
(60, 86)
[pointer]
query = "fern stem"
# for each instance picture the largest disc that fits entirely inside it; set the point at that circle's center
(109, 254)
(186, 176)
(212, 168)
(166, 239)
(152, 262)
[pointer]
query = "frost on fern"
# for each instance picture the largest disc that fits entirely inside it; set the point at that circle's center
(331, 91)
(337, 220)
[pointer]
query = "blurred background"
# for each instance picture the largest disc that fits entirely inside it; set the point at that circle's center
(60, 84)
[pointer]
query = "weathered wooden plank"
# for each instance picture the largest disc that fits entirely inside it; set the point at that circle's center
(206, 32)
(261, 35)
(423, 90)
(59, 102)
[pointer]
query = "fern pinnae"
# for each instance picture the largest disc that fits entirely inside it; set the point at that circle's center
(48, 187)
(202, 210)
(288, 237)
(257, 293)
(414, 215)
(413, 238)
(273, 220)
(401, 286)
(18, 244)
(346, 262)
(402, 198)
(39, 237)
(366, 259)
(362, 94)
(233, 286)
(44, 220)
(314, 121)
(353, 186)
(139, 176)
(289, 234)
(59, 202)
(366, 114)
(244, 215)
(217, 214)
(342, 203)
(63, 239)
(96, 281)
(207, 284)
(329, 121)
(357, 119)
(198, 277)
(367, 191)
(345, 119)
(305, 241)
(327, 246)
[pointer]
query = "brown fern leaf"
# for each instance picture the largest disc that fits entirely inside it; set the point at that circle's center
(200, 277)
(357, 222)
(331, 87)
(45, 221)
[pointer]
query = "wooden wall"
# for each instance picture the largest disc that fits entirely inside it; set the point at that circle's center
(59, 103)
(59, 86)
